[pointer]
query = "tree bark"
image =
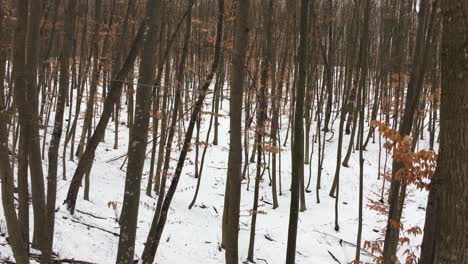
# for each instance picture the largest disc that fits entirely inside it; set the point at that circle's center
(298, 137)
(233, 183)
(445, 233)
(397, 188)
(138, 138)
(115, 89)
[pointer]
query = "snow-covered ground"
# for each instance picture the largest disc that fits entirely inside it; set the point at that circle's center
(193, 236)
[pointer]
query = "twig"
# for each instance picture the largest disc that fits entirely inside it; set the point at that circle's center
(333, 257)
(268, 237)
(344, 241)
(214, 167)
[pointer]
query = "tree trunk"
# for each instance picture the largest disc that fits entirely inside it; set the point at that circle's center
(261, 117)
(159, 221)
(298, 137)
(233, 183)
(138, 138)
(57, 132)
(22, 103)
(20, 251)
(35, 163)
(115, 89)
(361, 107)
(397, 189)
(445, 233)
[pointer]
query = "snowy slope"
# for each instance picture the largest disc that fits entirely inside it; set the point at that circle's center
(193, 236)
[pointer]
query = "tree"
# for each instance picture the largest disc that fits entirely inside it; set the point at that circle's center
(159, 219)
(398, 188)
(361, 107)
(445, 234)
(6, 176)
(20, 252)
(57, 132)
(233, 183)
(116, 85)
(31, 97)
(298, 138)
(24, 117)
(260, 130)
(138, 138)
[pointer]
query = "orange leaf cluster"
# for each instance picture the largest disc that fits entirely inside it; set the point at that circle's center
(376, 249)
(418, 167)
(378, 206)
(416, 230)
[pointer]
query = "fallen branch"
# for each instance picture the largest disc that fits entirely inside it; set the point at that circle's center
(37, 257)
(218, 168)
(333, 257)
(91, 226)
(365, 252)
(55, 259)
(89, 214)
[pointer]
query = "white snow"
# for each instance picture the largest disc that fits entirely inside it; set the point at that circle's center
(193, 236)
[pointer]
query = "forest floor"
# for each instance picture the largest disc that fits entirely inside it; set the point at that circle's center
(193, 236)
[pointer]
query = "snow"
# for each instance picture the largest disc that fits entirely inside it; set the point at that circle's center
(193, 236)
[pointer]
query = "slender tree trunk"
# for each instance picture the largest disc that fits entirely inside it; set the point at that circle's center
(138, 138)
(397, 188)
(57, 132)
(159, 221)
(233, 184)
(115, 89)
(261, 117)
(20, 251)
(298, 138)
(24, 117)
(361, 107)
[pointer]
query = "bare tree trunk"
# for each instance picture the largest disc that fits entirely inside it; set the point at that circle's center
(361, 107)
(159, 221)
(298, 137)
(445, 234)
(233, 183)
(115, 89)
(20, 251)
(397, 188)
(24, 118)
(138, 138)
(217, 60)
(260, 130)
(57, 132)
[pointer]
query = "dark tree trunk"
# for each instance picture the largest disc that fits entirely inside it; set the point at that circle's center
(298, 135)
(115, 89)
(35, 162)
(361, 107)
(138, 138)
(159, 220)
(57, 132)
(22, 98)
(398, 188)
(233, 183)
(445, 233)
(20, 251)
